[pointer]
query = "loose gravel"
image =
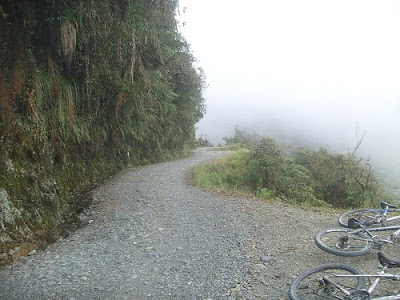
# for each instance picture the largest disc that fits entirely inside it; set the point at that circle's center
(151, 235)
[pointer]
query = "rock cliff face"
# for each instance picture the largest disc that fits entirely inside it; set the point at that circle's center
(8, 212)
(86, 88)
(38, 217)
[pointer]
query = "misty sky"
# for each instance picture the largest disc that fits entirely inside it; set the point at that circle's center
(312, 70)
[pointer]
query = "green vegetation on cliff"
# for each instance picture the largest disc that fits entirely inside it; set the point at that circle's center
(86, 88)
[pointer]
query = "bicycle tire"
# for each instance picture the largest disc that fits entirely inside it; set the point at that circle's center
(365, 213)
(333, 240)
(302, 286)
(360, 213)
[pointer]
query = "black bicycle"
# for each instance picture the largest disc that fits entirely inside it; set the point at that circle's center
(343, 282)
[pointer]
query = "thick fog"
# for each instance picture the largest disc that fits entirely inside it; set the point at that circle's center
(312, 72)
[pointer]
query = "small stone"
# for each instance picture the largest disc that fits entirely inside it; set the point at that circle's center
(265, 258)
(33, 252)
(14, 250)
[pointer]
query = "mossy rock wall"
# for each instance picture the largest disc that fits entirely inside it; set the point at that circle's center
(87, 88)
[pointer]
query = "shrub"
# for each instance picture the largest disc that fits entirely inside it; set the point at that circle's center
(341, 180)
(314, 178)
(242, 138)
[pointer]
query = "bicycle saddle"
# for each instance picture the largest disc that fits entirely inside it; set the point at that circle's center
(386, 260)
(385, 204)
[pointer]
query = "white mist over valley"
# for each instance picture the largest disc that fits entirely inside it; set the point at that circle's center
(315, 72)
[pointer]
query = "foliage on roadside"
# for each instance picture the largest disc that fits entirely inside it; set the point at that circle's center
(342, 180)
(307, 177)
(88, 88)
(225, 174)
(203, 141)
(242, 139)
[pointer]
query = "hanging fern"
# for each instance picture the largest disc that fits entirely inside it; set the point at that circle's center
(88, 87)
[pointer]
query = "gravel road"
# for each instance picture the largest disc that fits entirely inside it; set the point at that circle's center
(150, 235)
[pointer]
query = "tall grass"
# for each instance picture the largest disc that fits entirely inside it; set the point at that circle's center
(225, 174)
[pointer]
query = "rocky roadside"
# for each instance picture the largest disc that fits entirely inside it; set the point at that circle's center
(150, 235)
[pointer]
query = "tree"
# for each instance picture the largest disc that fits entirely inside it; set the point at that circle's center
(268, 158)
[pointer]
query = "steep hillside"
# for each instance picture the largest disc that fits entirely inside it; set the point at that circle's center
(86, 88)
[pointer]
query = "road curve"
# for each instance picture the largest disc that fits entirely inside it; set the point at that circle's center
(153, 236)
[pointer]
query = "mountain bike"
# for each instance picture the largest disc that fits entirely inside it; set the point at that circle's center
(343, 282)
(387, 215)
(354, 242)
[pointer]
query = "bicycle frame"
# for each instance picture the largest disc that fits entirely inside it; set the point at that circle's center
(379, 276)
(369, 230)
(392, 218)
(383, 215)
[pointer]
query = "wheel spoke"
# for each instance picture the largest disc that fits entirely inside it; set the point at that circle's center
(348, 242)
(340, 241)
(323, 284)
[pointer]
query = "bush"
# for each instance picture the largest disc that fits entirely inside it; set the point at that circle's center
(224, 174)
(242, 138)
(314, 178)
(203, 141)
(341, 180)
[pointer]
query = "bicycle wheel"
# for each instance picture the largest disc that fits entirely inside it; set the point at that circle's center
(321, 282)
(365, 215)
(343, 242)
(368, 217)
